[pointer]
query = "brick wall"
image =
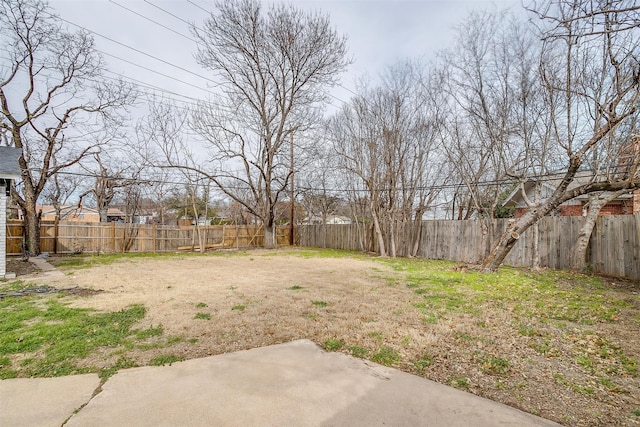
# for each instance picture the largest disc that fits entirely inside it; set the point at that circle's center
(636, 201)
(3, 232)
(615, 209)
(570, 210)
(608, 209)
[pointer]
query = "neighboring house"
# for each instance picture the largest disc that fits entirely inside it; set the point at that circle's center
(331, 219)
(625, 204)
(145, 218)
(77, 213)
(9, 171)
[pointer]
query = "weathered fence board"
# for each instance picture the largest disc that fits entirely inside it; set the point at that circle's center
(614, 248)
(77, 237)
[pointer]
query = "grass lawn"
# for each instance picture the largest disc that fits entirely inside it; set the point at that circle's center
(561, 345)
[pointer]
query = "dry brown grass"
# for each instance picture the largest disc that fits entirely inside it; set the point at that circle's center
(560, 346)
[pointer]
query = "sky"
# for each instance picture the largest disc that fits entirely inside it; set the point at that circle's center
(148, 41)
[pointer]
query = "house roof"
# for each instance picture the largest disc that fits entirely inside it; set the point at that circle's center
(48, 209)
(9, 167)
(550, 183)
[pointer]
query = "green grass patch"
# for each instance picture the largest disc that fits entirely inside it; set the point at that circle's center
(385, 355)
(122, 363)
(333, 344)
(550, 294)
(51, 338)
(376, 335)
(239, 307)
(459, 382)
(424, 362)
(166, 359)
(295, 288)
(574, 386)
(202, 316)
(357, 351)
(13, 286)
(610, 385)
(149, 332)
(493, 365)
(201, 305)
(319, 253)
(320, 303)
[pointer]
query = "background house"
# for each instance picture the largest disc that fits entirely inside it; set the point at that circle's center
(331, 219)
(75, 213)
(625, 204)
(9, 171)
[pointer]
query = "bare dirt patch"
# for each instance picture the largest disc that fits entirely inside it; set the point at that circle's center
(575, 374)
(20, 267)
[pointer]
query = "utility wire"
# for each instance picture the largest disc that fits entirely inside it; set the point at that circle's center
(173, 15)
(216, 84)
(153, 21)
(488, 183)
(156, 72)
(198, 6)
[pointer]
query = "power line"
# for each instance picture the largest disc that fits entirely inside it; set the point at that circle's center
(198, 6)
(216, 84)
(155, 71)
(172, 15)
(151, 20)
(206, 176)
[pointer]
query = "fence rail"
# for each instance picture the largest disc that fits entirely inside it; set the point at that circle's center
(78, 237)
(614, 248)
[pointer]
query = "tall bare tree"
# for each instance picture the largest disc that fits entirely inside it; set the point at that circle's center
(52, 95)
(495, 130)
(386, 138)
(275, 67)
(590, 77)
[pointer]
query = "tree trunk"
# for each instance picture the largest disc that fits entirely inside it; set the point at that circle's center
(510, 237)
(269, 235)
(31, 228)
(104, 217)
(535, 247)
(417, 226)
(378, 232)
(579, 252)
(393, 235)
(484, 239)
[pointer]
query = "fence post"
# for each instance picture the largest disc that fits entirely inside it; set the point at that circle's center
(113, 237)
(155, 237)
(55, 235)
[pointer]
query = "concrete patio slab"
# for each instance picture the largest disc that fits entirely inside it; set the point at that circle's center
(293, 384)
(44, 402)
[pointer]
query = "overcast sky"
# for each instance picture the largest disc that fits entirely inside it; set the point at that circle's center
(380, 32)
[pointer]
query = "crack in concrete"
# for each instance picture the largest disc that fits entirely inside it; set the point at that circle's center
(76, 411)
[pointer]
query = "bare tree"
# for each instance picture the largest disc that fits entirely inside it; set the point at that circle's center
(110, 179)
(274, 68)
(589, 74)
(386, 138)
(60, 189)
(495, 130)
(52, 95)
(163, 141)
(620, 161)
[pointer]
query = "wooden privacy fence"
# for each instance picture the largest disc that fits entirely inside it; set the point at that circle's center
(78, 237)
(614, 248)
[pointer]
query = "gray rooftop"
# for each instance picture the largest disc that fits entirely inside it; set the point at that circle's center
(9, 167)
